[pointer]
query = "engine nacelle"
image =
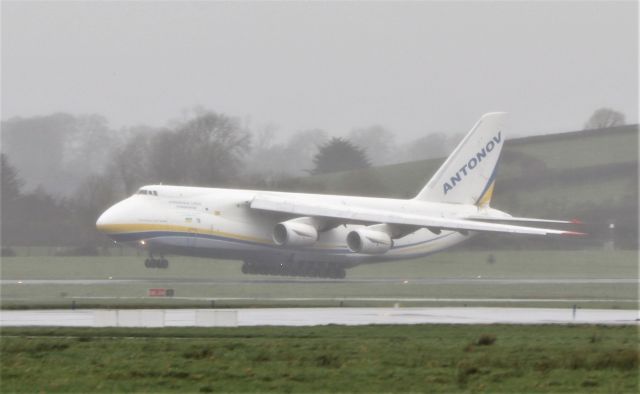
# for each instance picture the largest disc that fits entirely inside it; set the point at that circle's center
(368, 241)
(294, 233)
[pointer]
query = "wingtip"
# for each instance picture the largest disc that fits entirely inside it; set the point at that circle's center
(576, 221)
(495, 113)
(574, 234)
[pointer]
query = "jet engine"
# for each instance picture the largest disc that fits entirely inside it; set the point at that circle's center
(369, 241)
(294, 233)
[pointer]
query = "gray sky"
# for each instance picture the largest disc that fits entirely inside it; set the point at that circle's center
(411, 67)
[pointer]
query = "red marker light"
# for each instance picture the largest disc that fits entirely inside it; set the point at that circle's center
(573, 234)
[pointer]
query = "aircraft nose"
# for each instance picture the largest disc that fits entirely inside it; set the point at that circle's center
(114, 216)
(105, 220)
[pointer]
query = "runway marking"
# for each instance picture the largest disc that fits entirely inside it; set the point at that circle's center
(377, 299)
(194, 281)
(319, 316)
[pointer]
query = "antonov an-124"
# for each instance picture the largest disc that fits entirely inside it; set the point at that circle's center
(317, 235)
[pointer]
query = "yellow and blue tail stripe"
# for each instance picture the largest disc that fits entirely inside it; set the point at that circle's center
(487, 192)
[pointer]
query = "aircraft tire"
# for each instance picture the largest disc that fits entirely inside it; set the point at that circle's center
(163, 263)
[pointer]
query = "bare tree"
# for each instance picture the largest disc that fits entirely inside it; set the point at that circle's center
(57, 151)
(131, 163)
(302, 147)
(427, 147)
(378, 142)
(87, 148)
(36, 146)
(206, 150)
(11, 183)
(603, 118)
(95, 194)
(292, 158)
(267, 157)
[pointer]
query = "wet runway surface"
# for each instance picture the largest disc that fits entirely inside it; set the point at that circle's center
(335, 300)
(426, 281)
(316, 316)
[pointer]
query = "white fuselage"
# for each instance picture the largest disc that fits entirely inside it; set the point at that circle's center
(219, 223)
(322, 235)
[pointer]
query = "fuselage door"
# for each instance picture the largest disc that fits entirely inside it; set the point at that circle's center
(194, 225)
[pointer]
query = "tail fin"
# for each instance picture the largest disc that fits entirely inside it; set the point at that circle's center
(468, 174)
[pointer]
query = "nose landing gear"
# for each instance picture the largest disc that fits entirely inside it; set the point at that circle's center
(152, 262)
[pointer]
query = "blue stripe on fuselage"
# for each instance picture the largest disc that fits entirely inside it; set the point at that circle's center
(146, 235)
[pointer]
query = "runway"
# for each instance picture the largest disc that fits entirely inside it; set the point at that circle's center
(422, 281)
(368, 299)
(313, 317)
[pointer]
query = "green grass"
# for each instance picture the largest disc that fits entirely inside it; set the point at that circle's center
(576, 151)
(269, 291)
(468, 264)
(563, 200)
(433, 358)
(559, 152)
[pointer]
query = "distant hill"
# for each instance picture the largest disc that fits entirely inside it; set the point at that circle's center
(589, 174)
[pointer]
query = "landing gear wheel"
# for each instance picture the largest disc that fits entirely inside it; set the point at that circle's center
(156, 263)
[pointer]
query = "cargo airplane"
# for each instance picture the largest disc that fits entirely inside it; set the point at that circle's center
(298, 234)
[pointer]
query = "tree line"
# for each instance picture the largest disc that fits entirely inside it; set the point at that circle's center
(59, 172)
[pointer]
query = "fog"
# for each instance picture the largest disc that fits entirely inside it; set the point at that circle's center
(99, 99)
(413, 68)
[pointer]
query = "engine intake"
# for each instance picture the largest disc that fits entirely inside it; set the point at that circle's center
(368, 241)
(293, 233)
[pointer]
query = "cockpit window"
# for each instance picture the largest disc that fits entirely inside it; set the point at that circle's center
(147, 192)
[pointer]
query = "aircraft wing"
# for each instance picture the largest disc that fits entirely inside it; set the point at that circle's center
(350, 214)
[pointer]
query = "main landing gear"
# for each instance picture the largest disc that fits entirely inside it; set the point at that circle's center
(152, 262)
(308, 269)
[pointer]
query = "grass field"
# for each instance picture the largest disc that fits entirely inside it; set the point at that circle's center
(575, 150)
(449, 275)
(433, 358)
(560, 152)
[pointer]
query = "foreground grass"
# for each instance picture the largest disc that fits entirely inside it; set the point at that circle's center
(331, 358)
